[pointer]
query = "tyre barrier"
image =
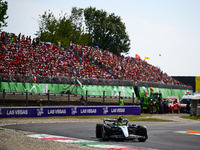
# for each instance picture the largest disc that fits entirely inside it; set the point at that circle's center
(7, 112)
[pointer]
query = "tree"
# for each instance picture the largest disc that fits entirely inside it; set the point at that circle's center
(106, 30)
(3, 13)
(87, 27)
(77, 19)
(65, 28)
(54, 30)
(47, 26)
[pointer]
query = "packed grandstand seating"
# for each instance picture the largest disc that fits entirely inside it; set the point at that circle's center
(22, 55)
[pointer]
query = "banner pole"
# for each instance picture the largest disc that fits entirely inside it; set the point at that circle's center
(48, 94)
(4, 94)
(26, 97)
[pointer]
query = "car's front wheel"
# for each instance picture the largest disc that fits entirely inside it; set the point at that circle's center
(142, 131)
(105, 136)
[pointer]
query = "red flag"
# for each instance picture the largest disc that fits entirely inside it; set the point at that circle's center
(137, 56)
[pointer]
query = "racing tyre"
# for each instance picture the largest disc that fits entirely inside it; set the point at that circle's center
(104, 134)
(142, 131)
(98, 130)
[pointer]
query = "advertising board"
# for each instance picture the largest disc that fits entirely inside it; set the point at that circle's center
(7, 112)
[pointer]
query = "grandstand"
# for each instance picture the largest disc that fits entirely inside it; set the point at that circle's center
(23, 58)
(28, 65)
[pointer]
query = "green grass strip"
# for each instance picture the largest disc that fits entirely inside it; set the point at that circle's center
(191, 117)
(142, 117)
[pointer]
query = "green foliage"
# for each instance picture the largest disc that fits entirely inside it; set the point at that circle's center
(3, 13)
(64, 29)
(47, 26)
(191, 117)
(106, 30)
(85, 26)
(53, 30)
(77, 18)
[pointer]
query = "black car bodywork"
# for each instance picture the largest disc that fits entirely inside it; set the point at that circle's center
(112, 129)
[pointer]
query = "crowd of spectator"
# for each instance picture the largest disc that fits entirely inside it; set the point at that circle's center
(22, 55)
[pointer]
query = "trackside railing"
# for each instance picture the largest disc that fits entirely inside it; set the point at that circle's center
(66, 96)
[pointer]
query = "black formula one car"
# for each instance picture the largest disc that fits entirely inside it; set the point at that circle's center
(120, 129)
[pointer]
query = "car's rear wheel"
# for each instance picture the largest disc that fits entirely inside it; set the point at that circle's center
(98, 130)
(142, 131)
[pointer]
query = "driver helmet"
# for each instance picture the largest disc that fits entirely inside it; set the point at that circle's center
(120, 120)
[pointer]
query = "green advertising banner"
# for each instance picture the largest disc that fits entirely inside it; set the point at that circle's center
(165, 92)
(74, 89)
(109, 90)
(125, 91)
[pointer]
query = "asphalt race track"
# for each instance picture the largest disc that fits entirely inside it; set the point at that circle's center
(162, 135)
